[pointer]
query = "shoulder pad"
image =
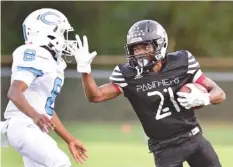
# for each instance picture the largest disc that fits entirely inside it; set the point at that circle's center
(178, 54)
(127, 71)
(177, 59)
(183, 58)
(30, 56)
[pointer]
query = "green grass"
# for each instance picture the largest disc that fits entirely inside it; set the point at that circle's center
(108, 146)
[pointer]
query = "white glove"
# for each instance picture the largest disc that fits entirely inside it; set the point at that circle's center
(82, 55)
(193, 99)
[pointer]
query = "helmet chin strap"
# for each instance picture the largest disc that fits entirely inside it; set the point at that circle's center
(147, 69)
(149, 66)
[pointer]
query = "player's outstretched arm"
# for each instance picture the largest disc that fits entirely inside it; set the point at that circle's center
(15, 94)
(101, 93)
(76, 147)
(217, 95)
(84, 59)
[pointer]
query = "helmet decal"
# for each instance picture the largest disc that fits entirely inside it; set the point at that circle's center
(50, 18)
(146, 32)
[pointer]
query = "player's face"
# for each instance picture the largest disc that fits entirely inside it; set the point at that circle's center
(145, 49)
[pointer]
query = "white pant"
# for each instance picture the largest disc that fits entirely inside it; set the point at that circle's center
(37, 148)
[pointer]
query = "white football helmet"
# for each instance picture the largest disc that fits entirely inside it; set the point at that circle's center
(48, 27)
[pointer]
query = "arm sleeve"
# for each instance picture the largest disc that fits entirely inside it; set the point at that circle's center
(117, 77)
(194, 69)
(31, 60)
(24, 75)
(193, 64)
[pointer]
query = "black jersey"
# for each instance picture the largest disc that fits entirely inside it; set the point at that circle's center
(153, 95)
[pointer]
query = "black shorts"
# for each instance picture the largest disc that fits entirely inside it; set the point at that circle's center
(194, 149)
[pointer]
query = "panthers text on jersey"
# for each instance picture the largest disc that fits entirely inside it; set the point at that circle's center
(153, 96)
(42, 73)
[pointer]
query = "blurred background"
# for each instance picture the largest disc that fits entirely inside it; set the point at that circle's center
(111, 130)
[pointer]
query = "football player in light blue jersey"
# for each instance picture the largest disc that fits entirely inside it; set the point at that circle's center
(37, 78)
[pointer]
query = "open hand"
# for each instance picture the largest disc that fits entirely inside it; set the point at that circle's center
(78, 151)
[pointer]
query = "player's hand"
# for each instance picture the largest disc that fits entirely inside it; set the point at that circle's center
(43, 122)
(193, 99)
(78, 151)
(82, 55)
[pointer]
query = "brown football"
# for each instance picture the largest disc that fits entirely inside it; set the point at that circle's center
(187, 89)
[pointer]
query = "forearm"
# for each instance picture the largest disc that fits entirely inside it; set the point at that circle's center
(217, 95)
(101, 93)
(60, 129)
(19, 100)
(90, 87)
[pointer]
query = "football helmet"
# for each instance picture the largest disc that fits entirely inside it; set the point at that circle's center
(48, 27)
(146, 32)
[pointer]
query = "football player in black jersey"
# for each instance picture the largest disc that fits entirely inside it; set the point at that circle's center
(150, 81)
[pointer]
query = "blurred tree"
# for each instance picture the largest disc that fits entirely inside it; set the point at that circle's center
(204, 28)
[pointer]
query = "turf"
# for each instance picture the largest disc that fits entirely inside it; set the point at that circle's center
(108, 146)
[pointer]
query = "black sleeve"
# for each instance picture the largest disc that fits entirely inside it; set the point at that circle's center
(193, 67)
(193, 64)
(117, 77)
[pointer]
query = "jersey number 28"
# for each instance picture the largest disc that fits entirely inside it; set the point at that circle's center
(55, 91)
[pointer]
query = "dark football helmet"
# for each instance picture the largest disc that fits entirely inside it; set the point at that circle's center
(146, 32)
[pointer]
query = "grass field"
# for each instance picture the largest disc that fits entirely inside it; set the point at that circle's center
(108, 146)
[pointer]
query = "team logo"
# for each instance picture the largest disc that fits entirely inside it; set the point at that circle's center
(50, 18)
(138, 76)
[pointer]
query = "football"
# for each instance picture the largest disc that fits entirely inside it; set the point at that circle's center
(188, 90)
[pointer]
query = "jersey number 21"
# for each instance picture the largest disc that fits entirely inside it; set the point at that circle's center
(164, 112)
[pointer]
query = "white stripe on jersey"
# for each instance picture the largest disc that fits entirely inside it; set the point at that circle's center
(191, 60)
(197, 75)
(194, 65)
(116, 73)
(116, 79)
(117, 69)
(191, 71)
(122, 84)
(189, 54)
